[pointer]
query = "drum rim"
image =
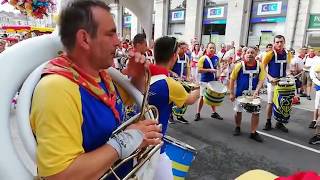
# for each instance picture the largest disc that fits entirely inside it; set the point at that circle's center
(179, 144)
(217, 85)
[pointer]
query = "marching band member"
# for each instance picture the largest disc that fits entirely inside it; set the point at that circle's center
(149, 53)
(276, 61)
(76, 106)
(248, 75)
(164, 92)
(140, 43)
(182, 65)
(316, 121)
(196, 54)
(207, 67)
(181, 69)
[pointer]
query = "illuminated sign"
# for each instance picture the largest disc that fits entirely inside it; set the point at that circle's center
(215, 12)
(269, 8)
(314, 22)
(177, 16)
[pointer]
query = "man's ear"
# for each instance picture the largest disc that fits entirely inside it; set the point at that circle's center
(83, 39)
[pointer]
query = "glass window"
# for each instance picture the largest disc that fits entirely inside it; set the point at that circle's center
(215, 2)
(178, 4)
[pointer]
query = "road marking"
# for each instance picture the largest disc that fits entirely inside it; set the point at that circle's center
(303, 108)
(290, 142)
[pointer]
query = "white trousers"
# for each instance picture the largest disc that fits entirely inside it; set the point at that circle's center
(163, 170)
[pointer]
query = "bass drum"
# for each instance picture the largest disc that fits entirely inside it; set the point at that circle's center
(16, 63)
(284, 92)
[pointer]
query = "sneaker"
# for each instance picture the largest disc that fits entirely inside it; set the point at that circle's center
(315, 140)
(268, 126)
(171, 120)
(303, 95)
(182, 120)
(216, 116)
(309, 98)
(237, 131)
(281, 127)
(312, 125)
(197, 117)
(255, 136)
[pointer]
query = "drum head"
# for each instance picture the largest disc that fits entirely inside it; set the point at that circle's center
(249, 100)
(217, 87)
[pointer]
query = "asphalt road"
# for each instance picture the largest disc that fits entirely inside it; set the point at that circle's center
(222, 156)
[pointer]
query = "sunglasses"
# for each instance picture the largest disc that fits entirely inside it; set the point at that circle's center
(175, 45)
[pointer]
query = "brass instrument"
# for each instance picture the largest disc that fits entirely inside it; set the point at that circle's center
(141, 156)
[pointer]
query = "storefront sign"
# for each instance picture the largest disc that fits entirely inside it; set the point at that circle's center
(177, 16)
(268, 20)
(314, 22)
(127, 21)
(215, 12)
(269, 8)
(214, 21)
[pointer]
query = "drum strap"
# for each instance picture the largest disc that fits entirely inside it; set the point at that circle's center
(250, 72)
(210, 62)
(281, 61)
(182, 62)
(157, 78)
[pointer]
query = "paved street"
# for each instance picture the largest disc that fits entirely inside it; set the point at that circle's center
(222, 156)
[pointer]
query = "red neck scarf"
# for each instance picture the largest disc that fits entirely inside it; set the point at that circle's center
(210, 55)
(247, 63)
(312, 55)
(280, 51)
(158, 70)
(63, 66)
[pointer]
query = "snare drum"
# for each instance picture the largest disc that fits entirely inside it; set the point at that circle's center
(284, 92)
(188, 86)
(181, 155)
(250, 104)
(214, 93)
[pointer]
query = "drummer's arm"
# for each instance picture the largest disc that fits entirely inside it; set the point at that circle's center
(231, 87)
(265, 61)
(262, 76)
(193, 97)
(233, 78)
(179, 96)
(200, 66)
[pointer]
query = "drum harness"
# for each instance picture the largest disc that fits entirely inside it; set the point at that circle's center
(250, 73)
(210, 63)
(182, 62)
(281, 61)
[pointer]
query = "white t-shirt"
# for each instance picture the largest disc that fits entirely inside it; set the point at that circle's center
(298, 61)
(310, 62)
(196, 57)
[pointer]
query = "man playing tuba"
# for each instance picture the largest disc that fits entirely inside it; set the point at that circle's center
(76, 106)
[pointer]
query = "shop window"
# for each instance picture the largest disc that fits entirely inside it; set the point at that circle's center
(178, 4)
(313, 39)
(219, 29)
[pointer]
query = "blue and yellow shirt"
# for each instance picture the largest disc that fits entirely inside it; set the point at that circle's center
(181, 66)
(277, 63)
(205, 64)
(68, 121)
(241, 74)
(163, 94)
